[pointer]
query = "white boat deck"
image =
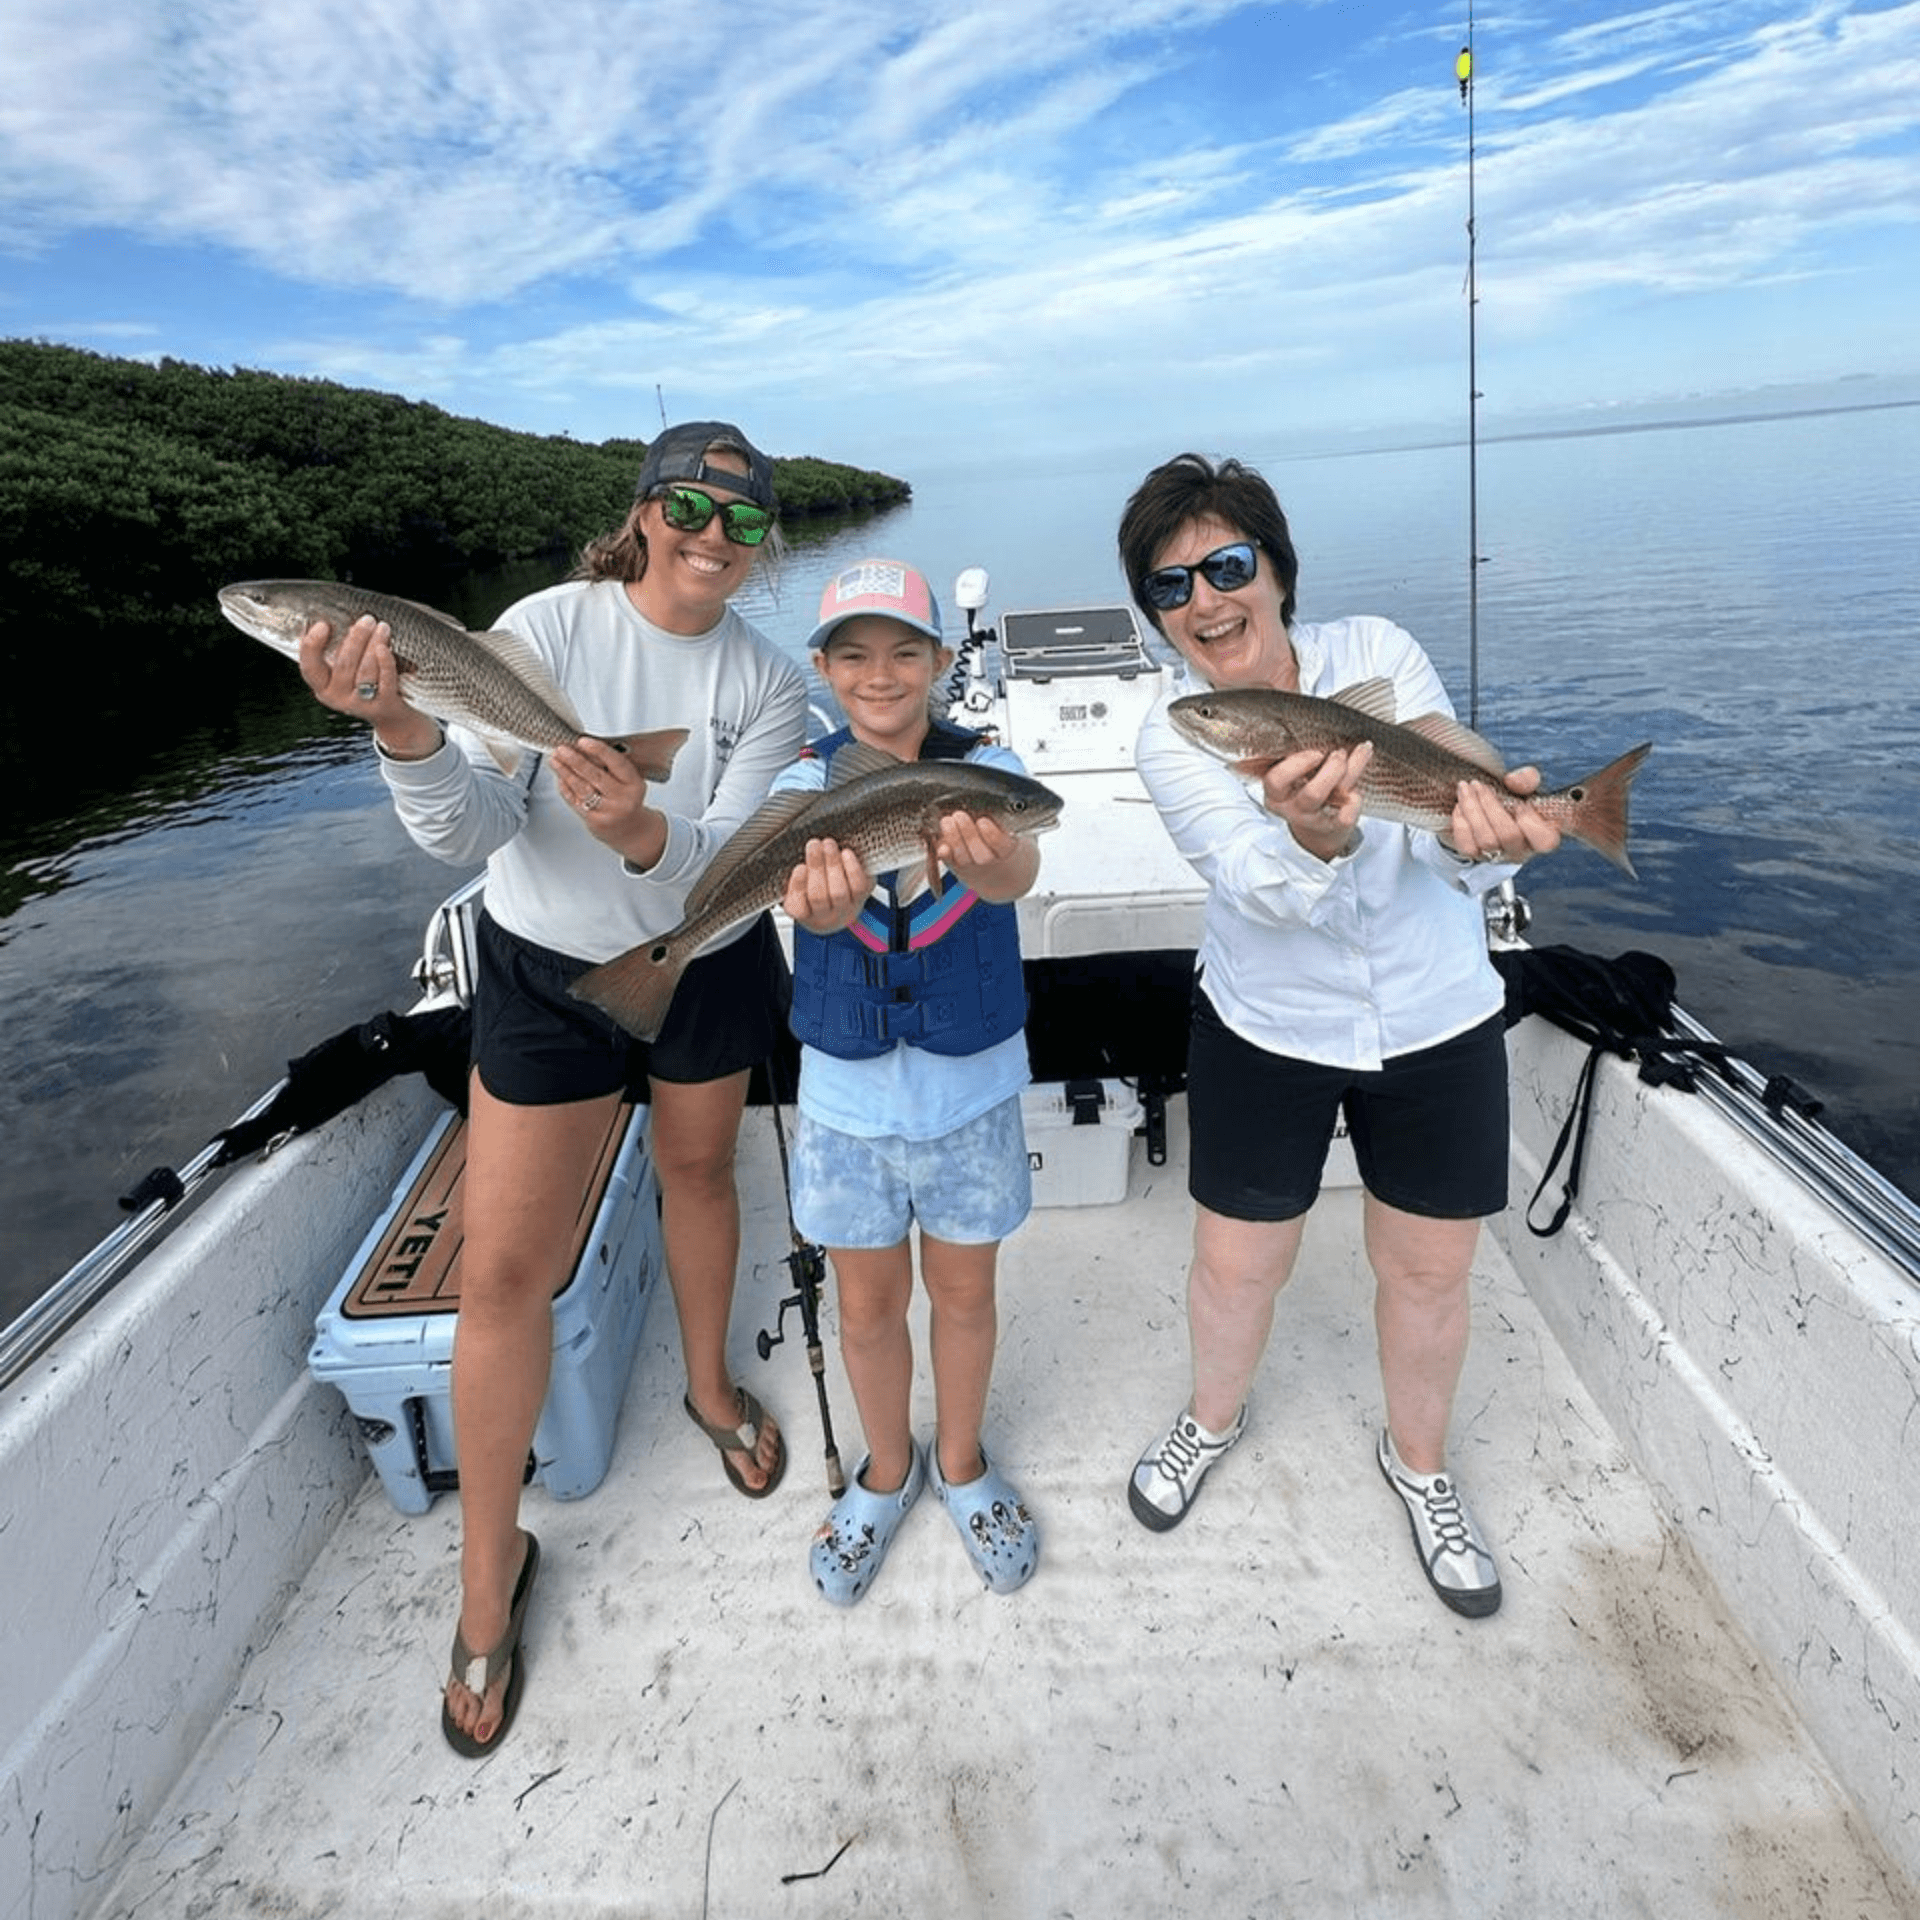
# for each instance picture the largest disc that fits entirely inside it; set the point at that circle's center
(1262, 1713)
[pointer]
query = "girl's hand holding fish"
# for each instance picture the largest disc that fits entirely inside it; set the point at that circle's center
(827, 890)
(360, 678)
(1318, 796)
(1483, 829)
(996, 864)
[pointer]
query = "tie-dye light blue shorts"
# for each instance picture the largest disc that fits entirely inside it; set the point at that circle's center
(970, 1186)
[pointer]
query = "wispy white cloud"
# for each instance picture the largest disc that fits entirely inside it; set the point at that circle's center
(1081, 208)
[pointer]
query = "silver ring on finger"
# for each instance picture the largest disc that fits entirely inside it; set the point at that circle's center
(368, 689)
(590, 799)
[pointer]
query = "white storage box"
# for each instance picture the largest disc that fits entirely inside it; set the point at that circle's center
(1079, 1140)
(385, 1337)
(1078, 682)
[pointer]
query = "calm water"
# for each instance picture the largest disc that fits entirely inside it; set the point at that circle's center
(1744, 594)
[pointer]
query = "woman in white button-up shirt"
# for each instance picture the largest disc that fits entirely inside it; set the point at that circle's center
(1342, 968)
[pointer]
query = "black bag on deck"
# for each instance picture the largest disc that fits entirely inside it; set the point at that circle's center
(347, 1066)
(1622, 1006)
(328, 1079)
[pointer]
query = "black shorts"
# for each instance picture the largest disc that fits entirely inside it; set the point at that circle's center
(1429, 1129)
(537, 1046)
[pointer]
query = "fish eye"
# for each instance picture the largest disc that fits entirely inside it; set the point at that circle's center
(1576, 793)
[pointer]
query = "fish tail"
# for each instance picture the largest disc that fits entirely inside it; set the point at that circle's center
(636, 988)
(652, 754)
(1598, 806)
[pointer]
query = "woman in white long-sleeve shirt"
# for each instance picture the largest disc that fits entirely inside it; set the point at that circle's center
(585, 859)
(1342, 967)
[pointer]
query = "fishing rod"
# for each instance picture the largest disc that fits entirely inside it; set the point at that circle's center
(1463, 72)
(807, 1263)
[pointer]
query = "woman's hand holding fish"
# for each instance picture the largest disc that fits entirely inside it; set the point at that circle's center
(609, 794)
(1484, 829)
(997, 865)
(1318, 796)
(361, 679)
(827, 890)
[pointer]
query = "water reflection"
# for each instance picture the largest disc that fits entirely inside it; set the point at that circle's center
(231, 889)
(218, 882)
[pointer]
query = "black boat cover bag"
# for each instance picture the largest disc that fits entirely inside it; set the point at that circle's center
(1622, 1006)
(348, 1065)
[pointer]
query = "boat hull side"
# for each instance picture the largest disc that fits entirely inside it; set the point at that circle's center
(1761, 1361)
(168, 1471)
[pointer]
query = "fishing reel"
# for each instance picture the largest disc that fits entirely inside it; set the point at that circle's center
(808, 1266)
(1507, 913)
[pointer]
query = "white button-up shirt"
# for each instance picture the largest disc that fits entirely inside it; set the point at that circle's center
(1346, 962)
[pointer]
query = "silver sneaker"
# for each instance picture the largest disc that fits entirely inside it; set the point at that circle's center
(1454, 1553)
(1166, 1478)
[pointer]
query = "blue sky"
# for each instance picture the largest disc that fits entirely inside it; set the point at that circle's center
(891, 232)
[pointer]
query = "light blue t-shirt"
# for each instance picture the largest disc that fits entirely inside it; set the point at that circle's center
(908, 1091)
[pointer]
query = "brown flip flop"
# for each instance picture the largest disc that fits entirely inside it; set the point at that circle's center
(745, 1438)
(466, 1661)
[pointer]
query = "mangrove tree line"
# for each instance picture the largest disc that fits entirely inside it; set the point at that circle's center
(130, 491)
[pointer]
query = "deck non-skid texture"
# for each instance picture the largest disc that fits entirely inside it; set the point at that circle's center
(1264, 1712)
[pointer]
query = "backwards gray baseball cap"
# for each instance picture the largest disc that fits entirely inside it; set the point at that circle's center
(680, 453)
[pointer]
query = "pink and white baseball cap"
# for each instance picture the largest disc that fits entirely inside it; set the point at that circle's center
(888, 587)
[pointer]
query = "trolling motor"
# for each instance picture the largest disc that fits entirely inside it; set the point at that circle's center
(969, 689)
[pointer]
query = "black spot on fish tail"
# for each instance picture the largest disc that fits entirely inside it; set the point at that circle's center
(1601, 810)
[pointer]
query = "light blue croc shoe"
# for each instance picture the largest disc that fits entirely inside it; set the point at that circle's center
(854, 1538)
(994, 1525)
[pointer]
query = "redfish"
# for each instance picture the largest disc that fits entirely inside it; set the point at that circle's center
(494, 684)
(1417, 765)
(888, 811)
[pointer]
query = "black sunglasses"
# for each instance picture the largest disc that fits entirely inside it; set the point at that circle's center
(688, 509)
(1227, 570)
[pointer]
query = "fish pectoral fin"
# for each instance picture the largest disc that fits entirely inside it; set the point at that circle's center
(856, 760)
(652, 754)
(1375, 698)
(505, 754)
(1445, 731)
(518, 656)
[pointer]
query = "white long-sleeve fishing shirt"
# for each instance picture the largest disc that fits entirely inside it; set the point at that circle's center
(1345, 962)
(743, 702)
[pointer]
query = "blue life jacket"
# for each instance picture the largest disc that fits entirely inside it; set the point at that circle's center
(942, 973)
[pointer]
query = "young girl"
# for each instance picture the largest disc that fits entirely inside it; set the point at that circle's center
(917, 1128)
